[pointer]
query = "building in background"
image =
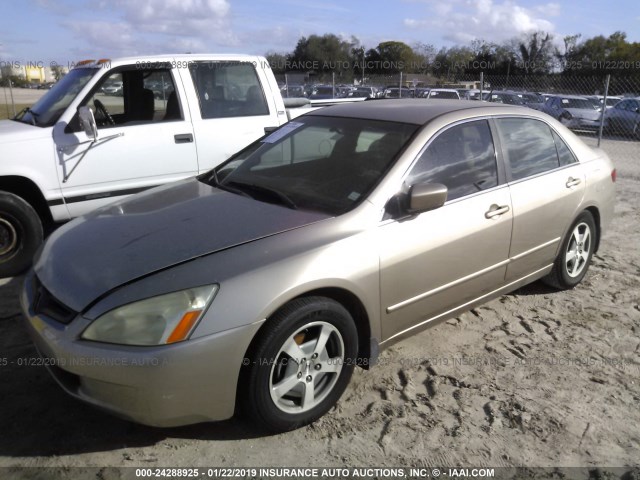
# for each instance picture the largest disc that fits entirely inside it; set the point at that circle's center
(31, 73)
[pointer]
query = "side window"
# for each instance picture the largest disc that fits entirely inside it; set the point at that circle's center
(134, 96)
(228, 89)
(564, 153)
(622, 105)
(462, 158)
(529, 146)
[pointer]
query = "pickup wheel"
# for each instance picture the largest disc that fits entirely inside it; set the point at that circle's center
(20, 234)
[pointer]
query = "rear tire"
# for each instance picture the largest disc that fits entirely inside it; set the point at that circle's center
(574, 258)
(20, 234)
(300, 365)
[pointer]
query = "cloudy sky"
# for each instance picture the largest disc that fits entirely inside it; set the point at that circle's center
(67, 30)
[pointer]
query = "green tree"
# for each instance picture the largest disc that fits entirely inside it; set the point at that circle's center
(453, 62)
(534, 52)
(57, 72)
(600, 54)
(424, 54)
(278, 62)
(323, 53)
(397, 57)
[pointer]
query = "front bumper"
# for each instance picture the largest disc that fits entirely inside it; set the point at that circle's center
(582, 123)
(165, 386)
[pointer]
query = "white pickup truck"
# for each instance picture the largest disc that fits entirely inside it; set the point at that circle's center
(152, 120)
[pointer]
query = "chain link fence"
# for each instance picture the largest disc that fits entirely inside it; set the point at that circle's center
(603, 109)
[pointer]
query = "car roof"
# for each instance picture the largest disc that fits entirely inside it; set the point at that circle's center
(414, 111)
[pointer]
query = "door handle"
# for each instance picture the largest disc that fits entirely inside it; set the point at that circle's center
(269, 129)
(183, 138)
(496, 210)
(572, 182)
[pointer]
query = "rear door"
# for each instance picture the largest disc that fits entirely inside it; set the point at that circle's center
(547, 186)
(232, 104)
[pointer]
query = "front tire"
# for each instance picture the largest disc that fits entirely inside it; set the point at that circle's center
(20, 234)
(300, 365)
(572, 263)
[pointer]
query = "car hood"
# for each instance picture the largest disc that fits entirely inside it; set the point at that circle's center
(151, 231)
(13, 131)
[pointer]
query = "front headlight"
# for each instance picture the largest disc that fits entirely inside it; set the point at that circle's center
(158, 320)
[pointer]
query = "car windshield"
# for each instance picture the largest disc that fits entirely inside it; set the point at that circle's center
(532, 98)
(579, 103)
(443, 94)
(46, 111)
(511, 99)
(326, 164)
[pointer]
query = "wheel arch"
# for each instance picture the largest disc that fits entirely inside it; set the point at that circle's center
(595, 213)
(352, 304)
(344, 297)
(30, 193)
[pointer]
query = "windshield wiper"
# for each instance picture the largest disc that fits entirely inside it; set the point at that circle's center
(23, 112)
(212, 179)
(262, 190)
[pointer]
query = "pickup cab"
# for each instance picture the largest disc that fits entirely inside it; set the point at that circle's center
(147, 121)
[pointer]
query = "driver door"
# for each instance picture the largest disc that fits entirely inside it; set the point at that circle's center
(145, 139)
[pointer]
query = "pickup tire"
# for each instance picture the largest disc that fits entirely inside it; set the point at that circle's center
(20, 234)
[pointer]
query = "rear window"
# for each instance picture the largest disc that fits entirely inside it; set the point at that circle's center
(228, 89)
(529, 146)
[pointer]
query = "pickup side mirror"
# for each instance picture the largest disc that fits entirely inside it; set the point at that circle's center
(426, 196)
(88, 122)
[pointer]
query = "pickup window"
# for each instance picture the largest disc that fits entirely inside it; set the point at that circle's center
(133, 96)
(228, 89)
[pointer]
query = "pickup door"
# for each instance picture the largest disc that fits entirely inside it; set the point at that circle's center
(145, 138)
(233, 104)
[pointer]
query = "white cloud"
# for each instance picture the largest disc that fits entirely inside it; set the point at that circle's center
(202, 20)
(156, 26)
(549, 9)
(105, 38)
(486, 19)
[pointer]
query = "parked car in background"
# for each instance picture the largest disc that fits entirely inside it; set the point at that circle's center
(472, 94)
(395, 92)
(443, 94)
(362, 92)
(508, 98)
(599, 99)
(531, 99)
(258, 287)
(624, 117)
(293, 91)
(112, 88)
(322, 92)
(574, 111)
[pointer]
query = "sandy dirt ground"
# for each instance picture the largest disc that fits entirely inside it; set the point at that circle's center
(534, 378)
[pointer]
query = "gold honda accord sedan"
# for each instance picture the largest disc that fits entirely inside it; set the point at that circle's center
(257, 287)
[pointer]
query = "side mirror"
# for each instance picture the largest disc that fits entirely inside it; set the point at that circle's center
(88, 122)
(426, 196)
